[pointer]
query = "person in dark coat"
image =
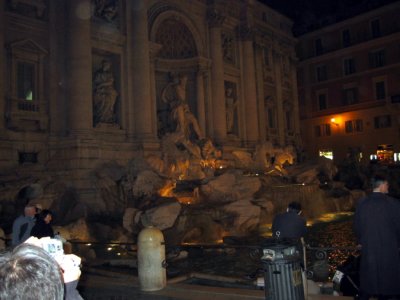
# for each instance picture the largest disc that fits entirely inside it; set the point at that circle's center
(42, 227)
(290, 225)
(377, 228)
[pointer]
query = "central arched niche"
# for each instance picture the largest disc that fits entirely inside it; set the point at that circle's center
(179, 51)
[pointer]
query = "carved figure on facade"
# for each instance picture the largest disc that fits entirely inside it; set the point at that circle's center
(228, 48)
(231, 105)
(106, 9)
(185, 123)
(104, 94)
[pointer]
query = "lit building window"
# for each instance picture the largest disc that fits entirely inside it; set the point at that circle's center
(26, 81)
(326, 153)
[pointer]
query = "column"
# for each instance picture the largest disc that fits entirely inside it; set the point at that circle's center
(201, 110)
(57, 105)
(141, 87)
(79, 102)
(296, 113)
(216, 20)
(260, 92)
(2, 66)
(249, 86)
(279, 97)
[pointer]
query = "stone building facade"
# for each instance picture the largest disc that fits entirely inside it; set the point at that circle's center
(86, 82)
(349, 91)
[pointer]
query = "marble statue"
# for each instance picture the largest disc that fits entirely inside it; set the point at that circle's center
(175, 95)
(231, 104)
(104, 95)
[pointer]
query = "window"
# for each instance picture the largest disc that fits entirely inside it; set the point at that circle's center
(27, 157)
(318, 47)
(322, 102)
(349, 66)
(377, 59)
(321, 73)
(323, 130)
(350, 96)
(375, 28)
(382, 121)
(26, 81)
(26, 101)
(380, 91)
(348, 125)
(353, 126)
(346, 38)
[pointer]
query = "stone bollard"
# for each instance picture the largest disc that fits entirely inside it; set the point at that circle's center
(151, 260)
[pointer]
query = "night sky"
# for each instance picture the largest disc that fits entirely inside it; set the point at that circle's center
(309, 15)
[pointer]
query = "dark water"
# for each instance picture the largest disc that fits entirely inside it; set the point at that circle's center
(329, 244)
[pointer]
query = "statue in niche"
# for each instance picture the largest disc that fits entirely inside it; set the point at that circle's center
(186, 123)
(104, 94)
(106, 9)
(230, 104)
(228, 48)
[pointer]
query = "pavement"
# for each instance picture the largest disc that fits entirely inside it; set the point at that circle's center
(102, 285)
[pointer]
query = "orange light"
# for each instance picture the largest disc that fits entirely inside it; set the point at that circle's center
(335, 121)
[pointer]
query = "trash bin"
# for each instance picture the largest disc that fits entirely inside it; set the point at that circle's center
(282, 271)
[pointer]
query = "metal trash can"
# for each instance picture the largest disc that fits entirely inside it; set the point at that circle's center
(282, 271)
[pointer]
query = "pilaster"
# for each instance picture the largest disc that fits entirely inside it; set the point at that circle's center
(2, 68)
(215, 20)
(80, 110)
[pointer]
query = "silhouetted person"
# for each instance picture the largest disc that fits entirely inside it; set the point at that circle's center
(377, 227)
(42, 227)
(290, 224)
(22, 225)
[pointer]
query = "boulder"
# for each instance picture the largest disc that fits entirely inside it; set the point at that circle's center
(161, 217)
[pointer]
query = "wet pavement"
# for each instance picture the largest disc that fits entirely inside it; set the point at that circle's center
(102, 285)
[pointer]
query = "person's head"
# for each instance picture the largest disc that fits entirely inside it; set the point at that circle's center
(380, 184)
(294, 207)
(28, 272)
(45, 215)
(29, 210)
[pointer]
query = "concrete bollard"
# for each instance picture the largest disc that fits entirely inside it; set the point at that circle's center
(151, 260)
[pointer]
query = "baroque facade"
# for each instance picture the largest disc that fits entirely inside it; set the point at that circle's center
(348, 86)
(86, 82)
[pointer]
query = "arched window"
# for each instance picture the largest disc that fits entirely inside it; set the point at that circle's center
(177, 40)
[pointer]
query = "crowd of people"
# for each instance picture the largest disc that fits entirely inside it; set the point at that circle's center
(30, 270)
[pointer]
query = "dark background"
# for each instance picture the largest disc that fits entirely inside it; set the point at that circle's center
(309, 15)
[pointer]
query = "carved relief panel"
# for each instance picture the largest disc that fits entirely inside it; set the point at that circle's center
(229, 47)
